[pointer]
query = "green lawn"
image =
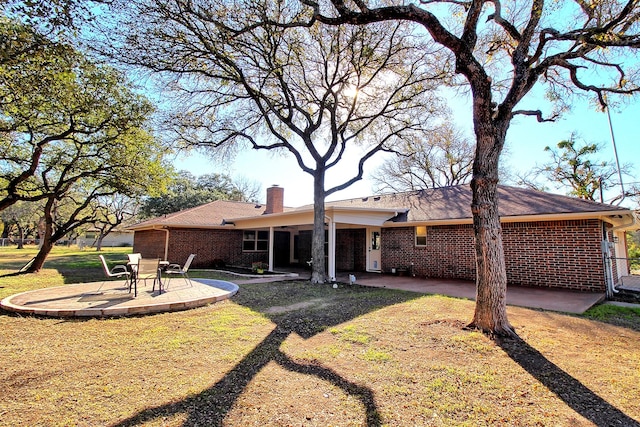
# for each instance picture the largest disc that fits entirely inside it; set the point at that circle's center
(294, 354)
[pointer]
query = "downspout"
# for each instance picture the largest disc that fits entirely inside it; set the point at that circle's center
(634, 220)
(166, 241)
(606, 260)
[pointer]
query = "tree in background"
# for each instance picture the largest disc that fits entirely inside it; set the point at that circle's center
(444, 158)
(187, 191)
(54, 100)
(20, 221)
(34, 94)
(59, 19)
(502, 50)
(111, 212)
(574, 166)
(330, 97)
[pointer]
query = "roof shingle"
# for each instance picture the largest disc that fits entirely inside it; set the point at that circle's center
(450, 203)
(208, 215)
(434, 204)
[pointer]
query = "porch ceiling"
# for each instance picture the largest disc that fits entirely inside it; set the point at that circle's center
(338, 215)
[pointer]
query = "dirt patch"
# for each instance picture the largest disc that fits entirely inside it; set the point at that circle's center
(316, 303)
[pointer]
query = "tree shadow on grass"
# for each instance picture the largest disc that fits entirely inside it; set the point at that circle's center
(575, 394)
(211, 406)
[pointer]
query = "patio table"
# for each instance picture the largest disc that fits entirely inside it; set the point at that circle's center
(162, 265)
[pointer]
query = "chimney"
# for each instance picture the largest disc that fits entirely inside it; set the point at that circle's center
(275, 200)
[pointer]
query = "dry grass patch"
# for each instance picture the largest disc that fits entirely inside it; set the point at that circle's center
(294, 354)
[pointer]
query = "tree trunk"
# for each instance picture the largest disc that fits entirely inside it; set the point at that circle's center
(317, 241)
(46, 240)
(99, 242)
(20, 236)
(491, 277)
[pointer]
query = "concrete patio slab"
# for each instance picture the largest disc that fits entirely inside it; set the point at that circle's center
(114, 299)
(541, 298)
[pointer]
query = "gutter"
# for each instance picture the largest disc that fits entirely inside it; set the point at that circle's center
(634, 220)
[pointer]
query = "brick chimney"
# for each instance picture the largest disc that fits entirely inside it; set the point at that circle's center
(275, 200)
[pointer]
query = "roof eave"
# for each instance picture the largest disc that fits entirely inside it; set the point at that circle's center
(615, 217)
(178, 225)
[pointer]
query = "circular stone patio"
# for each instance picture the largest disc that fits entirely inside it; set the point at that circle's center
(113, 298)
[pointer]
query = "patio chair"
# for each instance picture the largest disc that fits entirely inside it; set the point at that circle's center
(148, 269)
(134, 259)
(117, 271)
(175, 269)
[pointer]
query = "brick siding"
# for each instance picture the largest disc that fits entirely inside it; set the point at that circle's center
(149, 243)
(558, 254)
(210, 246)
(351, 250)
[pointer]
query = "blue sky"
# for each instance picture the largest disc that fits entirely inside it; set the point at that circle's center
(525, 145)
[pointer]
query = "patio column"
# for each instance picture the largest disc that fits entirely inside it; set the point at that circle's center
(271, 245)
(331, 256)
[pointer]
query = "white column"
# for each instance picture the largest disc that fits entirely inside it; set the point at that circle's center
(271, 244)
(331, 256)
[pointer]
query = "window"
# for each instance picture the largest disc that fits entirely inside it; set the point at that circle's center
(375, 240)
(254, 240)
(421, 236)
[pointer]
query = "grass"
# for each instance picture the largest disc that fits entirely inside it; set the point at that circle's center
(293, 354)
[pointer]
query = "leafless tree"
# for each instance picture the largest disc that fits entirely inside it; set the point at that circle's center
(444, 158)
(331, 97)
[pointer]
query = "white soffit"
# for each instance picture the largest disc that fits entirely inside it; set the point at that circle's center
(356, 216)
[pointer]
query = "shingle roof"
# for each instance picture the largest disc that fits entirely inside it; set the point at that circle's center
(435, 204)
(208, 215)
(451, 203)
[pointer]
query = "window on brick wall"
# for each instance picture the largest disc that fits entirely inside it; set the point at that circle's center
(421, 235)
(255, 240)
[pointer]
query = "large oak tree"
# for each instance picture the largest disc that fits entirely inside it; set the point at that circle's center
(71, 132)
(323, 95)
(503, 50)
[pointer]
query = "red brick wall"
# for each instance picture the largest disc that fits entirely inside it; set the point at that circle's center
(351, 250)
(150, 243)
(210, 246)
(449, 252)
(562, 254)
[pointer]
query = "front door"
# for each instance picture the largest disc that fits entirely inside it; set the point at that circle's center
(281, 248)
(373, 247)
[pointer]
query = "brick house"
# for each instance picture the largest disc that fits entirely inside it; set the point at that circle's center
(549, 240)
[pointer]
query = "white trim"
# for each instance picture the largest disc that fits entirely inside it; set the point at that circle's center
(614, 218)
(331, 255)
(271, 245)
